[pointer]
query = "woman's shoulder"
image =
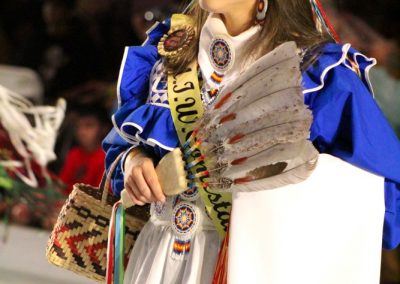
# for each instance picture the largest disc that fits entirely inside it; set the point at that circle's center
(143, 116)
(139, 61)
(137, 64)
(337, 66)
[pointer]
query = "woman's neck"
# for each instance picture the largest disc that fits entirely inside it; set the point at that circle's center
(239, 19)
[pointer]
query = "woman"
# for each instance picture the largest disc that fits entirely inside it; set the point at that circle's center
(347, 124)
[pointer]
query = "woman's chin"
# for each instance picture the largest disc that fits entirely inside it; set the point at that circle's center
(211, 6)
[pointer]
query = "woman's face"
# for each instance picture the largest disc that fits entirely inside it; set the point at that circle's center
(224, 6)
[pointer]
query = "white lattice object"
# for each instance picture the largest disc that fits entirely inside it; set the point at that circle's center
(32, 130)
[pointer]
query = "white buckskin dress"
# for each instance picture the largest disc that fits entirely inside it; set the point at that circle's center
(325, 230)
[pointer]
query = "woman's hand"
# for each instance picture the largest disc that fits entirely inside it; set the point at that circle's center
(140, 179)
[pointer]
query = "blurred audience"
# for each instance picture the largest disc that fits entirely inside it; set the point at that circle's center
(75, 46)
(385, 77)
(4, 47)
(386, 84)
(145, 13)
(108, 26)
(68, 57)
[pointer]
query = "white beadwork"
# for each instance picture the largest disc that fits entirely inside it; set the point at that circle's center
(158, 85)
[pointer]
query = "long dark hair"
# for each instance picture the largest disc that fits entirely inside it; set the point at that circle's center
(286, 20)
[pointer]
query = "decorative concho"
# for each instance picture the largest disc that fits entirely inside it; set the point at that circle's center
(185, 219)
(175, 41)
(192, 194)
(221, 54)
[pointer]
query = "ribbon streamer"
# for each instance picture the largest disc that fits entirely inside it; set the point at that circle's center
(116, 245)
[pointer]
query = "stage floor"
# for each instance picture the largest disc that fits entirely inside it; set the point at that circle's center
(23, 260)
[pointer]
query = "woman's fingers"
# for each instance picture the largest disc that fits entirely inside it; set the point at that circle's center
(141, 185)
(150, 176)
(132, 195)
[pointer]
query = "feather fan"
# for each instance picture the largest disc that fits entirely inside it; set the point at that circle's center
(255, 134)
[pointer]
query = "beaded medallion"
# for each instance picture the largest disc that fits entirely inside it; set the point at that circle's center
(221, 54)
(185, 220)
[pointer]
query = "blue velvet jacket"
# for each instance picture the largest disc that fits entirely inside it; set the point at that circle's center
(347, 122)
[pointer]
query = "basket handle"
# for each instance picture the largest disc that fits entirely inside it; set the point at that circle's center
(106, 179)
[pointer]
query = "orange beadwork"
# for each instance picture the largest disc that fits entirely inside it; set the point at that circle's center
(217, 77)
(213, 92)
(181, 247)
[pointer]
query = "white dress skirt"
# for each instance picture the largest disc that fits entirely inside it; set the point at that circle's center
(325, 230)
(152, 260)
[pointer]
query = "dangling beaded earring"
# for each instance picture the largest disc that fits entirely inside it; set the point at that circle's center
(262, 8)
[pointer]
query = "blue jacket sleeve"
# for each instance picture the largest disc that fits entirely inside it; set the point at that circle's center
(132, 91)
(114, 145)
(348, 124)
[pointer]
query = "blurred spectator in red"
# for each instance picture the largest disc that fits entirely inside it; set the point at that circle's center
(85, 162)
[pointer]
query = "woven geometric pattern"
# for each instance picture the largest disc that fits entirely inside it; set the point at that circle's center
(79, 239)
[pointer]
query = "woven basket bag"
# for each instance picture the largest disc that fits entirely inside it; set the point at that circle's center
(78, 241)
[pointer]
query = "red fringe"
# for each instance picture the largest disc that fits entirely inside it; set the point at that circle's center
(328, 23)
(221, 269)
